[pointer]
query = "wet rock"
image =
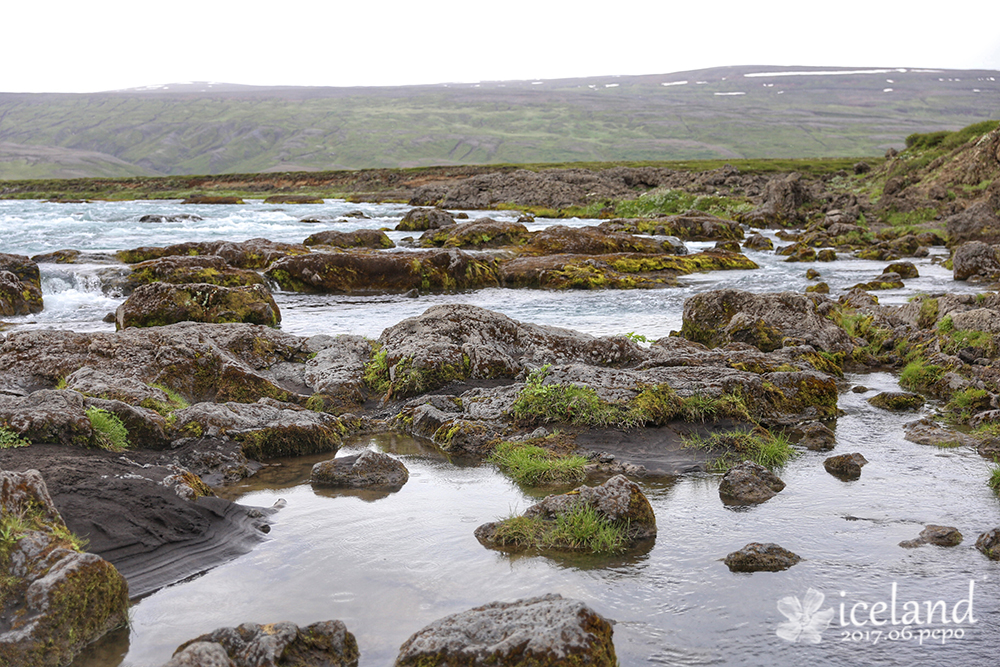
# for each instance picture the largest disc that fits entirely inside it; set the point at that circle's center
(818, 288)
(264, 431)
(212, 199)
(728, 246)
(989, 544)
(481, 233)
(691, 226)
(559, 239)
(367, 470)
(826, 255)
(797, 252)
(20, 286)
(903, 269)
(943, 536)
(250, 254)
(618, 501)
(160, 304)
(422, 219)
(361, 271)
(293, 199)
(976, 259)
(326, 644)
(758, 557)
(817, 437)
(763, 320)
(860, 389)
(812, 274)
(177, 269)
(845, 466)
(546, 631)
(897, 401)
(926, 432)
(978, 222)
(336, 372)
(749, 483)
(358, 238)
(180, 217)
(55, 600)
(49, 416)
(758, 242)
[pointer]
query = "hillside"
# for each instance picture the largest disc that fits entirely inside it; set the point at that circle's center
(723, 113)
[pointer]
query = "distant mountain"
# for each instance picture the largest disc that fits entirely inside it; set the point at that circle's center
(733, 112)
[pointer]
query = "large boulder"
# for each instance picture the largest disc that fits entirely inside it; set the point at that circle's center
(251, 254)
(367, 470)
(546, 631)
(782, 198)
(336, 371)
(559, 239)
(55, 599)
(481, 233)
(749, 483)
(182, 269)
(323, 644)
(762, 320)
(158, 304)
(976, 260)
(20, 286)
(978, 222)
(989, 544)
(845, 466)
(422, 219)
(361, 271)
(358, 238)
(691, 226)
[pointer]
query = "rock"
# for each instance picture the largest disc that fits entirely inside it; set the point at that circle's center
(20, 286)
(367, 470)
(181, 217)
(618, 501)
(360, 271)
(943, 536)
(897, 401)
(293, 199)
(55, 600)
(358, 238)
(758, 557)
(728, 246)
(862, 168)
(178, 269)
(212, 199)
(336, 372)
(546, 631)
(251, 254)
(559, 239)
(690, 226)
(797, 252)
(780, 207)
(818, 288)
(989, 544)
(422, 219)
(763, 320)
(926, 432)
(159, 304)
(903, 269)
(481, 233)
(758, 242)
(812, 274)
(978, 222)
(48, 416)
(976, 259)
(323, 644)
(817, 437)
(749, 483)
(826, 255)
(845, 466)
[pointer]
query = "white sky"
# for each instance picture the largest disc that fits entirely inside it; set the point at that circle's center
(80, 46)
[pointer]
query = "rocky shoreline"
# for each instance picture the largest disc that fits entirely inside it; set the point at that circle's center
(206, 390)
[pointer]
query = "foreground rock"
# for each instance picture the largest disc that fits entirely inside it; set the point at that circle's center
(989, 544)
(943, 536)
(481, 233)
(55, 600)
(367, 470)
(618, 502)
(749, 483)
(757, 557)
(976, 260)
(323, 644)
(546, 631)
(251, 254)
(161, 303)
(845, 466)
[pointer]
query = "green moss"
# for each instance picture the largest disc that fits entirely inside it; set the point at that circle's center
(109, 431)
(376, 373)
(555, 402)
(166, 408)
(928, 313)
(965, 403)
(729, 448)
(529, 464)
(409, 380)
(994, 478)
(272, 443)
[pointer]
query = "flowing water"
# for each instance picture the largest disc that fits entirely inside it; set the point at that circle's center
(389, 564)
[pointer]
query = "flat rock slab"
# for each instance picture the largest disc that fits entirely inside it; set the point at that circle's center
(327, 643)
(758, 557)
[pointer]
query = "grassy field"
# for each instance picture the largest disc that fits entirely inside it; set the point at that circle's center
(729, 116)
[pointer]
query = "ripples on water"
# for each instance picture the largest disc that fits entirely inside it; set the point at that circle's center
(389, 565)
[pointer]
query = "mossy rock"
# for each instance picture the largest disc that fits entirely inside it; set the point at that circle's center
(293, 199)
(481, 233)
(897, 401)
(212, 199)
(178, 269)
(422, 219)
(159, 304)
(358, 238)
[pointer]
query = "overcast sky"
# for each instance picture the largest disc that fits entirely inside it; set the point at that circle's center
(77, 46)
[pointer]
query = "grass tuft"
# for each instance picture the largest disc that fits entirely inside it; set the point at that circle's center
(733, 447)
(109, 430)
(533, 465)
(581, 529)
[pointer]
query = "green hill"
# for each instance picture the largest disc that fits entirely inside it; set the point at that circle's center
(744, 112)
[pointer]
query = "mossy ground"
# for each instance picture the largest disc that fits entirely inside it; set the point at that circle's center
(528, 463)
(582, 529)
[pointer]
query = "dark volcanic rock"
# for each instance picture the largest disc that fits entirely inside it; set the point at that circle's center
(55, 600)
(817, 437)
(323, 644)
(989, 544)
(20, 286)
(757, 557)
(845, 466)
(559, 239)
(978, 222)
(926, 432)
(749, 483)
(546, 631)
(481, 233)
(251, 254)
(181, 217)
(976, 259)
(358, 238)
(422, 219)
(158, 304)
(182, 269)
(691, 226)
(367, 470)
(758, 242)
(782, 198)
(897, 401)
(943, 536)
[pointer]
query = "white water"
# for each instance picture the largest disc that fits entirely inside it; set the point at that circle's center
(389, 566)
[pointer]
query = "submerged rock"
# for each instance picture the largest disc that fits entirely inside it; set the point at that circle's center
(816, 437)
(55, 600)
(323, 644)
(185, 269)
(161, 303)
(749, 483)
(546, 631)
(367, 470)
(943, 536)
(845, 466)
(758, 557)
(897, 401)
(926, 432)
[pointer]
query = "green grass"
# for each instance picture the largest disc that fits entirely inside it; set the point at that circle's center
(109, 431)
(11, 440)
(965, 403)
(771, 450)
(582, 529)
(994, 479)
(376, 373)
(920, 375)
(557, 402)
(533, 465)
(990, 430)
(166, 408)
